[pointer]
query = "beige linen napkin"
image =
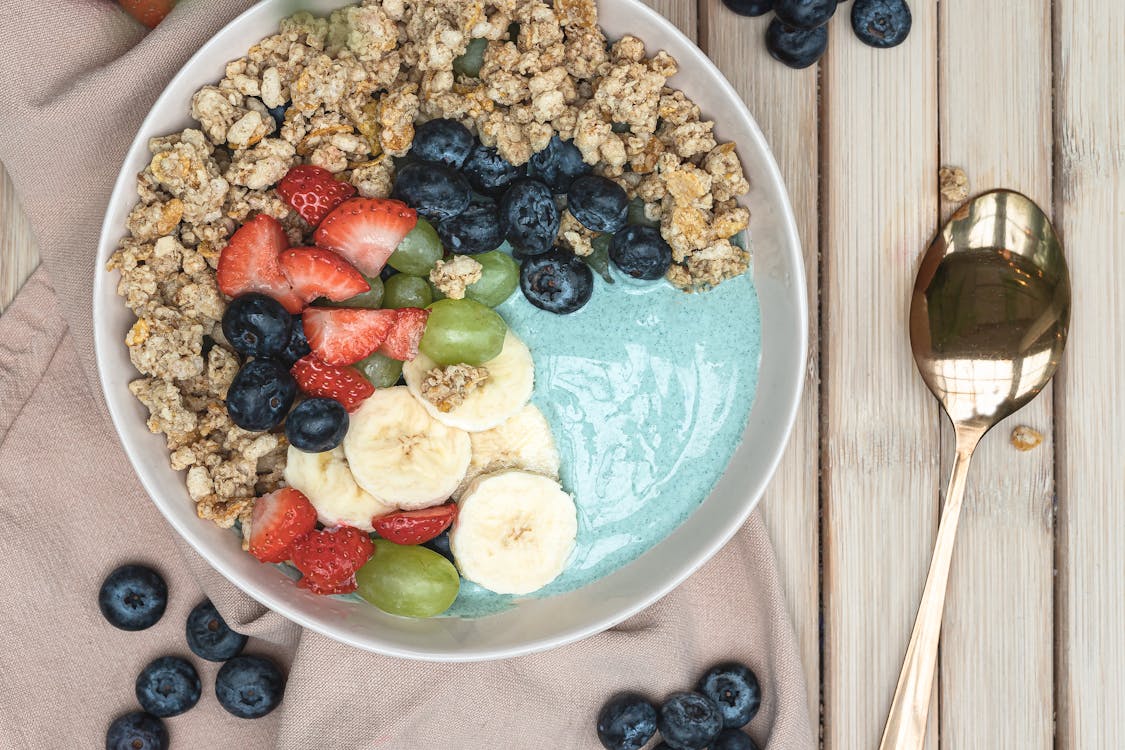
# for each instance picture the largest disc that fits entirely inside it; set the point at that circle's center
(78, 77)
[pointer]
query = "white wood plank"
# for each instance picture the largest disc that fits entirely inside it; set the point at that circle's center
(683, 13)
(18, 254)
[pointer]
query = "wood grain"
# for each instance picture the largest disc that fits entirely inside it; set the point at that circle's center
(18, 254)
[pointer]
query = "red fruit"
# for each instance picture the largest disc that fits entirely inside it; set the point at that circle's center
(313, 192)
(344, 384)
(148, 12)
(249, 263)
(328, 559)
(314, 272)
(342, 336)
(402, 341)
(366, 231)
(279, 519)
(415, 526)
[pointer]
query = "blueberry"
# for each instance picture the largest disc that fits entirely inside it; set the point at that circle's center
(298, 345)
(387, 272)
(249, 686)
(434, 190)
(208, 635)
(133, 597)
(735, 690)
(599, 203)
(476, 230)
(641, 252)
(444, 141)
(316, 425)
(749, 7)
(530, 216)
(440, 545)
(278, 113)
(136, 731)
(804, 14)
(489, 172)
(260, 395)
(689, 721)
(797, 48)
(881, 23)
(557, 281)
(626, 722)
(257, 325)
(168, 686)
(732, 739)
(558, 164)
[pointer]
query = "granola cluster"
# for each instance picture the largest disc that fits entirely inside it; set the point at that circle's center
(447, 387)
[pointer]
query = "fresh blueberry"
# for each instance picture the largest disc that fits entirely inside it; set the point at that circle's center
(557, 281)
(298, 345)
(387, 272)
(641, 252)
(689, 721)
(133, 597)
(732, 739)
(804, 14)
(749, 7)
(249, 686)
(434, 190)
(440, 545)
(444, 141)
(599, 203)
(797, 48)
(260, 395)
(558, 164)
(208, 635)
(881, 23)
(529, 216)
(735, 689)
(626, 722)
(476, 230)
(316, 425)
(278, 113)
(257, 325)
(489, 172)
(136, 730)
(168, 686)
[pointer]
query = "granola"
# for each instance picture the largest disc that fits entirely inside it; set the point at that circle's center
(446, 387)
(454, 276)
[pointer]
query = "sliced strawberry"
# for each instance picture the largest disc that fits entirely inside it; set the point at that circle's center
(415, 526)
(343, 384)
(314, 272)
(342, 336)
(366, 231)
(313, 192)
(278, 520)
(402, 341)
(148, 12)
(249, 263)
(328, 559)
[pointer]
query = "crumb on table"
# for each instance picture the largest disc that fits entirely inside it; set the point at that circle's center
(953, 183)
(1025, 438)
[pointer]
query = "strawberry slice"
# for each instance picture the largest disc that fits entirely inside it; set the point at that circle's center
(328, 559)
(415, 526)
(343, 336)
(314, 272)
(366, 231)
(344, 384)
(278, 520)
(402, 341)
(249, 263)
(313, 192)
(148, 12)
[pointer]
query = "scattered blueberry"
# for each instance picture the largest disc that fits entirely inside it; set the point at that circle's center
(168, 686)
(434, 190)
(208, 635)
(476, 230)
(557, 281)
(881, 23)
(278, 113)
(599, 203)
(298, 345)
(797, 48)
(804, 14)
(626, 722)
(558, 164)
(440, 545)
(136, 730)
(489, 172)
(316, 425)
(529, 216)
(249, 686)
(749, 7)
(735, 690)
(257, 325)
(689, 721)
(387, 272)
(444, 141)
(732, 739)
(641, 252)
(133, 597)
(260, 395)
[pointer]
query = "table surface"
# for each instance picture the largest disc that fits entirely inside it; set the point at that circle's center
(1020, 95)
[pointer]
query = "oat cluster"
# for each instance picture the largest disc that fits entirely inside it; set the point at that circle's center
(447, 387)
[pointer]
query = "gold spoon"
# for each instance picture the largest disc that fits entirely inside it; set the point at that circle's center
(988, 323)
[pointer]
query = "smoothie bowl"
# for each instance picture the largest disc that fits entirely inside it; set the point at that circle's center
(451, 331)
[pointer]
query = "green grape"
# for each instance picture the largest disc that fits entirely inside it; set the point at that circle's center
(435, 293)
(469, 63)
(381, 370)
(404, 290)
(410, 581)
(637, 214)
(372, 300)
(418, 251)
(498, 279)
(462, 330)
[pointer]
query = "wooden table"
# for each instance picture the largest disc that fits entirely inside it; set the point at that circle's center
(1022, 94)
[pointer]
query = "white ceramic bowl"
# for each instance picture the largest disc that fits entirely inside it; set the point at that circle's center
(533, 625)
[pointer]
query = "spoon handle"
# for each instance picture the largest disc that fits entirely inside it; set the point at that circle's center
(906, 724)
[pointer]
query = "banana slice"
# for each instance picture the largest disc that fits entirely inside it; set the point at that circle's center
(514, 532)
(399, 454)
(511, 375)
(523, 442)
(329, 485)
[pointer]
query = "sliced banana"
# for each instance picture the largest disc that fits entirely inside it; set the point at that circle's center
(514, 532)
(523, 442)
(511, 375)
(400, 454)
(327, 481)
